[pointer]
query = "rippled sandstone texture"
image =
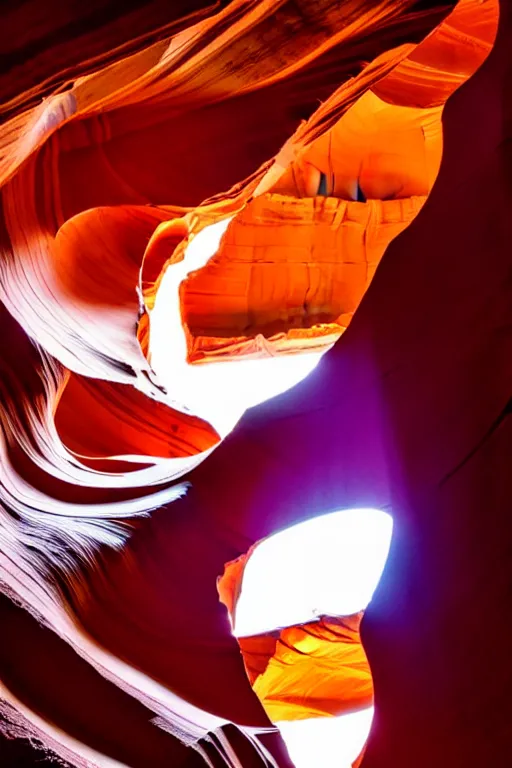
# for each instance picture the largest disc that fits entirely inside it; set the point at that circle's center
(317, 127)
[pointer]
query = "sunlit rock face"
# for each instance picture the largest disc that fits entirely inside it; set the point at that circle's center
(191, 219)
(219, 393)
(296, 602)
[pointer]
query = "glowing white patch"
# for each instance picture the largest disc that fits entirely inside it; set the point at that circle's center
(325, 741)
(328, 565)
(218, 392)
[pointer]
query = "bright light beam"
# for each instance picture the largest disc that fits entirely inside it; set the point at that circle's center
(325, 741)
(328, 565)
